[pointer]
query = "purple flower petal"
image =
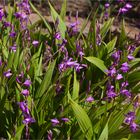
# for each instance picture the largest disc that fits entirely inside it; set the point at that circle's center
(125, 67)
(13, 34)
(28, 120)
(25, 92)
(89, 99)
(130, 117)
(49, 136)
(27, 83)
(123, 10)
(13, 48)
(8, 73)
(112, 72)
(35, 43)
(55, 121)
(119, 76)
(1, 14)
(65, 119)
(124, 84)
(130, 57)
(57, 36)
(107, 5)
(24, 108)
(128, 6)
(134, 127)
(126, 93)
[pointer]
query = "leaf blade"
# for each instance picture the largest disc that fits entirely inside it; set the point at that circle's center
(97, 62)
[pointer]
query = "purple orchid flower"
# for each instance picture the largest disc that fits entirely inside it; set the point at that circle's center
(1, 14)
(8, 73)
(89, 99)
(65, 119)
(112, 72)
(35, 43)
(24, 108)
(25, 92)
(110, 91)
(130, 117)
(49, 136)
(55, 122)
(12, 34)
(125, 67)
(130, 57)
(28, 120)
(126, 93)
(107, 5)
(13, 48)
(119, 76)
(57, 36)
(27, 83)
(128, 6)
(20, 77)
(134, 127)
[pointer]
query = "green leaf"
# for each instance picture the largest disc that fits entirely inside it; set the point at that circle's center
(61, 26)
(82, 119)
(19, 132)
(36, 61)
(117, 119)
(84, 24)
(123, 36)
(16, 58)
(10, 59)
(46, 81)
(136, 51)
(92, 35)
(102, 110)
(134, 77)
(45, 98)
(97, 62)
(75, 94)
(46, 24)
(106, 27)
(63, 10)
(104, 134)
(110, 46)
(134, 62)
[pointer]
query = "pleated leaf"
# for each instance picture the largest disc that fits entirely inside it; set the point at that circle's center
(97, 62)
(104, 134)
(75, 94)
(82, 119)
(110, 46)
(46, 81)
(61, 25)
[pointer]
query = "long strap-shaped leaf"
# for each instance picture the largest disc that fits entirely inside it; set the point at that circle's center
(82, 119)
(104, 134)
(45, 22)
(61, 25)
(63, 10)
(46, 81)
(97, 62)
(106, 27)
(75, 94)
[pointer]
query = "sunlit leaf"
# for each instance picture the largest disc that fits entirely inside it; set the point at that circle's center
(61, 25)
(98, 63)
(75, 94)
